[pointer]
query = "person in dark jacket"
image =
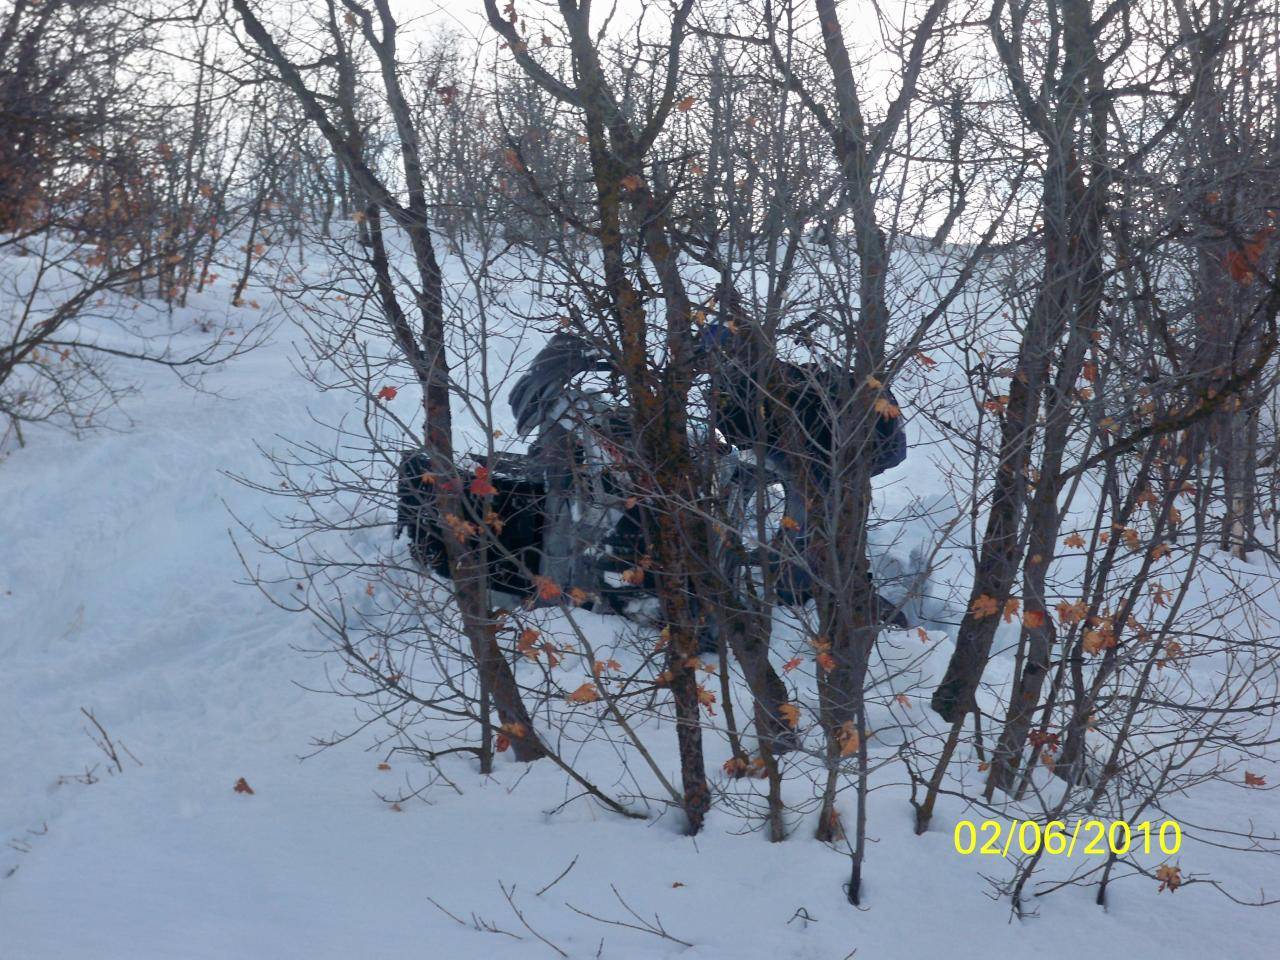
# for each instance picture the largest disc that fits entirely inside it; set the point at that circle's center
(789, 408)
(801, 399)
(789, 411)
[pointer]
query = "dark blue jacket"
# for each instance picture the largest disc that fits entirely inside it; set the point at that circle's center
(803, 395)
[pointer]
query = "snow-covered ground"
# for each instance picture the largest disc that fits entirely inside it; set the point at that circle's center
(119, 593)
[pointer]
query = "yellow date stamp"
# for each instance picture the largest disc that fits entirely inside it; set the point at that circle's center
(1096, 838)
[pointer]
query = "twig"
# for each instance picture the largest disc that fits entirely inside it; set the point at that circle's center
(105, 744)
(644, 926)
(563, 873)
(478, 923)
(525, 923)
(451, 916)
(481, 925)
(803, 915)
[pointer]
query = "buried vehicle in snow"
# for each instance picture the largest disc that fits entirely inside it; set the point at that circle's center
(565, 517)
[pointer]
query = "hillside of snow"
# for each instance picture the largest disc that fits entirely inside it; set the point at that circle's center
(121, 592)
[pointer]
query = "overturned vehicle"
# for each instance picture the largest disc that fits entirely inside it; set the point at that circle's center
(564, 519)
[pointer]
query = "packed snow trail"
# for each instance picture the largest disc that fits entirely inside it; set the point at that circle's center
(119, 593)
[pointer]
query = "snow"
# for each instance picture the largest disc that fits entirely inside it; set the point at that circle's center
(120, 592)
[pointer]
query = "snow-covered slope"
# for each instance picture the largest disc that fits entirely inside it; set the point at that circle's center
(119, 593)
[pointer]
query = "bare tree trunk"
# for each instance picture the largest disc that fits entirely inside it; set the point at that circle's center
(617, 153)
(1084, 278)
(846, 598)
(425, 351)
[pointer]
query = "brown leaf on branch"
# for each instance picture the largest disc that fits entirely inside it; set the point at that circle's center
(790, 713)
(1242, 264)
(1095, 641)
(850, 739)
(887, 408)
(587, 693)
(1072, 612)
(735, 767)
(462, 530)
(1170, 878)
(547, 588)
(481, 485)
(984, 606)
(528, 642)
(707, 699)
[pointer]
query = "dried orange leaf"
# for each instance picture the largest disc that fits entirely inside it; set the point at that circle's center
(886, 408)
(1170, 878)
(547, 588)
(587, 693)
(984, 606)
(849, 738)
